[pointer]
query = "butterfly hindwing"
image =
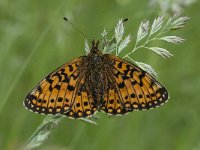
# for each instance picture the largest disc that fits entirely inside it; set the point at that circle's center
(134, 88)
(111, 102)
(83, 105)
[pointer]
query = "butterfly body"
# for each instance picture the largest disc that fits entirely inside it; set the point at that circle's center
(94, 76)
(95, 67)
(96, 82)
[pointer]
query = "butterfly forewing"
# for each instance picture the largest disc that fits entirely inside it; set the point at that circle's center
(134, 89)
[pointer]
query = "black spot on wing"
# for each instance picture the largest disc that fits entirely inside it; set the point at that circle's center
(120, 65)
(121, 85)
(70, 87)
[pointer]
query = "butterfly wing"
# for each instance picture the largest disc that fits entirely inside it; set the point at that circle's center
(62, 92)
(84, 105)
(112, 103)
(133, 89)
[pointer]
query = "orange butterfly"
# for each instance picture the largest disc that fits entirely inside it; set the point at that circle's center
(96, 82)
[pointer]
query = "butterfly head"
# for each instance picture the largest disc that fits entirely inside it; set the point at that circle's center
(95, 48)
(95, 55)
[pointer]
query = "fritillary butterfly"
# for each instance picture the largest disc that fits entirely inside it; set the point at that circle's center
(96, 82)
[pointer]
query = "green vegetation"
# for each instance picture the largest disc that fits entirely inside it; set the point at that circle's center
(35, 40)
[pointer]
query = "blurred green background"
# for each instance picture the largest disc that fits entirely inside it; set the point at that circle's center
(34, 40)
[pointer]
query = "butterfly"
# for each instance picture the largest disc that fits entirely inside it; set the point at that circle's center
(96, 82)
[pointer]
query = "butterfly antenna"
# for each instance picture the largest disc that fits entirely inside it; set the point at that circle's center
(76, 28)
(124, 20)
